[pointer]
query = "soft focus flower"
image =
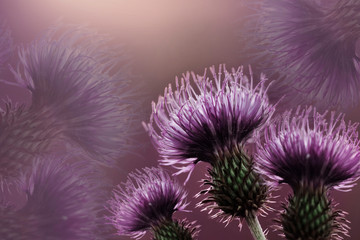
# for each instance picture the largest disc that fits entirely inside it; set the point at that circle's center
(63, 203)
(200, 120)
(73, 76)
(312, 155)
(311, 47)
(304, 148)
(148, 200)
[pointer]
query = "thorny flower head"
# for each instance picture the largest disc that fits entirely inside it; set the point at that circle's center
(206, 115)
(146, 200)
(314, 46)
(73, 75)
(304, 148)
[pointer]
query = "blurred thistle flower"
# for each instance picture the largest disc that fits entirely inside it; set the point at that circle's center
(73, 76)
(63, 202)
(78, 93)
(148, 200)
(211, 122)
(312, 155)
(311, 47)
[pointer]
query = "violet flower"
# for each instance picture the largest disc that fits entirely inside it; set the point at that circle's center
(312, 47)
(147, 201)
(312, 155)
(73, 76)
(63, 203)
(74, 96)
(210, 120)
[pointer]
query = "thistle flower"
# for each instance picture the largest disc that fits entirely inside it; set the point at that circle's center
(211, 122)
(312, 46)
(198, 124)
(148, 200)
(62, 203)
(73, 76)
(312, 155)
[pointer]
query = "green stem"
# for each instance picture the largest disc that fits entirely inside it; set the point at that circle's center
(255, 227)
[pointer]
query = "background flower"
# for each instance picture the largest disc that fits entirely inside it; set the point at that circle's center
(310, 47)
(64, 201)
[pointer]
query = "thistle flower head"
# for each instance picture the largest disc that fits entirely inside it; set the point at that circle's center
(62, 203)
(73, 76)
(313, 46)
(147, 200)
(206, 116)
(304, 148)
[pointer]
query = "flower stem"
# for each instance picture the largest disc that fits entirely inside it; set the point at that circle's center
(255, 226)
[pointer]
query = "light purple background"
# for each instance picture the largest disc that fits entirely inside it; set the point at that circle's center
(165, 38)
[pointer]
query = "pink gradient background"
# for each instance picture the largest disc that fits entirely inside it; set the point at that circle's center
(165, 38)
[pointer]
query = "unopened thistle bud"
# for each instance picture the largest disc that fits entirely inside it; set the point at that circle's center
(312, 155)
(147, 201)
(210, 122)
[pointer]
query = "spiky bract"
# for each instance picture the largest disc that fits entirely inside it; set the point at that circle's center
(235, 189)
(310, 215)
(313, 46)
(73, 75)
(146, 200)
(303, 148)
(206, 115)
(63, 202)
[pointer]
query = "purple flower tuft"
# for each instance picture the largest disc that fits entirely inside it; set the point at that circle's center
(145, 200)
(194, 123)
(303, 148)
(73, 76)
(63, 202)
(313, 46)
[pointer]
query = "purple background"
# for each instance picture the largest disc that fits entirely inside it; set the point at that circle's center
(165, 38)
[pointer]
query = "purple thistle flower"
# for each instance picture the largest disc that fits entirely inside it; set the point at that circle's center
(303, 147)
(147, 200)
(197, 123)
(63, 202)
(312, 155)
(312, 46)
(72, 76)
